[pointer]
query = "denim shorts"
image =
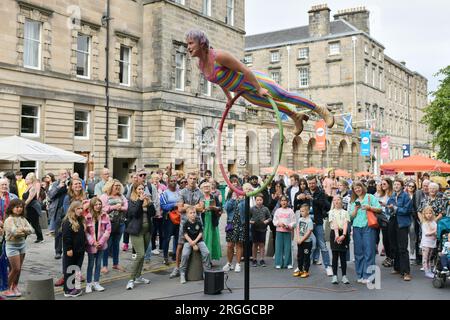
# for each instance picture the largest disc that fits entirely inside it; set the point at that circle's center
(15, 249)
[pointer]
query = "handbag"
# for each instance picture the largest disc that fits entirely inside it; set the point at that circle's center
(383, 221)
(372, 220)
(229, 227)
(175, 217)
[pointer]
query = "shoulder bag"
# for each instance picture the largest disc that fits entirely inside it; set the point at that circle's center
(372, 221)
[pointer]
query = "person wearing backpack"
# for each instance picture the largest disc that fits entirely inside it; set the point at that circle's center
(171, 217)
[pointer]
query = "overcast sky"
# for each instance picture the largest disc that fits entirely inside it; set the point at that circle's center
(414, 31)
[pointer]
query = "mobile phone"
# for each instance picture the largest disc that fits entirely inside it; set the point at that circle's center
(357, 203)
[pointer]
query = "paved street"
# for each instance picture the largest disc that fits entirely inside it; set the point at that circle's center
(266, 283)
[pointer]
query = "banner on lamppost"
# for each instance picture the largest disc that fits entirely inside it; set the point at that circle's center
(321, 137)
(348, 129)
(365, 143)
(406, 150)
(385, 147)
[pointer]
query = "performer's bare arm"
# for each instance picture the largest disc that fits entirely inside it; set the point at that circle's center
(229, 61)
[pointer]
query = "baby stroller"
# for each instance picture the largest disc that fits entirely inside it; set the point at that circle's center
(440, 277)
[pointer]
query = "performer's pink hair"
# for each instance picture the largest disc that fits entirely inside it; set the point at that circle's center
(199, 36)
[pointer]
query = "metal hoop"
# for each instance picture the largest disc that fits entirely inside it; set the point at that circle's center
(219, 148)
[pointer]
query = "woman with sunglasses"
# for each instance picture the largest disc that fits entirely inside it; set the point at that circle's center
(413, 228)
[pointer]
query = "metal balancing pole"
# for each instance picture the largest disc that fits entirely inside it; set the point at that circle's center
(247, 250)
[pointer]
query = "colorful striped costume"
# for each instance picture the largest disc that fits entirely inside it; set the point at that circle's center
(234, 81)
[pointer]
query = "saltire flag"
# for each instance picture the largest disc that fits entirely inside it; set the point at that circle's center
(348, 129)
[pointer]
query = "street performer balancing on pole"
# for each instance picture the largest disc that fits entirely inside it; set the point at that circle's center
(230, 74)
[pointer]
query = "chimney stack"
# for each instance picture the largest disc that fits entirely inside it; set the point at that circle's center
(319, 21)
(358, 17)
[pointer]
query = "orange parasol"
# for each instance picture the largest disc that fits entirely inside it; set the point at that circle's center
(416, 164)
(311, 170)
(281, 170)
(364, 174)
(342, 173)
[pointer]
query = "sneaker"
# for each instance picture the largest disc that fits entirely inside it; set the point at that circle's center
(133, 256)
(422, 269)
(429, 275)
(17, 292)
(237, 268)
(58, 256)
(345, 280)
(125, 247)
(130, 284)
(304, 275)
(39, 241)
(445, 270)
(175, 273)
(141, 280)
(360, 280)
(296, 270)
(364, 281)
(73, 293)
(59, 282)
(166, 262)
(98, 287)
(318, 263)
(182, 278)
(88, 288)
(334, 280)
(277, 267)
(297, 274)
(262, 263)
(155, 252)
(407, 277)
(254, 263)
(329, 271)
(290, 267)
(227, 267)
(9, 293)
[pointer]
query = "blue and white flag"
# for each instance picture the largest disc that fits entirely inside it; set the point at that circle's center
(348, 129)
(365, 143)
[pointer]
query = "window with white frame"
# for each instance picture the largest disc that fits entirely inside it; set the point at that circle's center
(303, 74)
(275, 56)
(32, 44)
(180, 61)
(366, 48)
(275, 75)
(373, 52)
(380, 56)
(29, 124)
(230, 135)
(82, 124)
(28, 166)
(125, 65)
(206, 87)
(248, 59)
(207, 7)
(83, 55)
(124, 127)
(179, 130)
(230, 12)
(335, 48)
(366, 73)
(303, 53)
(380, 79)
(373, 76)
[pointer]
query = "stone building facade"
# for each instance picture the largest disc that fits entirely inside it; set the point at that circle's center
(52, 71)
(339, 65)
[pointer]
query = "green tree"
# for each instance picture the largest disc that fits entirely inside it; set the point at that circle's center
(437, 115)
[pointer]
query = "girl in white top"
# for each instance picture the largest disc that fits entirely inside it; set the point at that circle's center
(339, 238)
(428, 242)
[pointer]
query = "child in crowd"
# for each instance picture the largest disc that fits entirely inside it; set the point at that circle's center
(305, 228)
(98, 230)
(428, 242)
(16, 229)
(74, 243)
(444, 255)
(260, 218)
(284, 221)
(193, 233)
(339, 238)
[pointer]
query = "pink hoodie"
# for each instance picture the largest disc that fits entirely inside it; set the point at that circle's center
(104, 231)
(286, 216)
